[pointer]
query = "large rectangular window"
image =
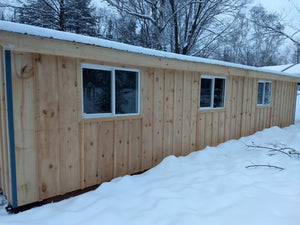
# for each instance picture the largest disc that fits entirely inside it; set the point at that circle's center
(212, 94)
(264, 94)
(109, 91)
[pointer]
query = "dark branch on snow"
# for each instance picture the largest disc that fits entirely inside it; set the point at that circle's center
(265, 165)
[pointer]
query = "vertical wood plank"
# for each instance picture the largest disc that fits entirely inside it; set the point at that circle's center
(106, 151)
(249, 106)
(273, 103)
(168, 112)
(194, 110)
(158, 118)
(281, 102)
(208, 129)
(269, 117)
(47, 124)
(201, 131)
(290, 104)
(276, 102)
(287, 104)
(215, 128)
(234, 97)
(90, 154)
(253, 106)
(228, 107)
(186, 129)
(68, 122)
(147, 79)
(178, 112)
(221, 127)
(240, 96)
(264, 118)
(246, 106)
(135, 146)
(80, 121)
(261, 119)
(294, 93)
(24, 127)
(82, 153)
(257, 119)
(283, 105)
(121, 148)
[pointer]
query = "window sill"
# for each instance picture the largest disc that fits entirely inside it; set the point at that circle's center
(205, 110)
(264, 106)
(111, 118)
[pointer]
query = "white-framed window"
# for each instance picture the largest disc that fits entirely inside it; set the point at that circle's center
(264, 93)
(109, 91)
(212, 94)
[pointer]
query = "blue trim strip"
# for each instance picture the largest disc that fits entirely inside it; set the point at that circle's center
(10, 117)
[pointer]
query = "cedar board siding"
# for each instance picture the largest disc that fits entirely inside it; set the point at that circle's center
(57, 151)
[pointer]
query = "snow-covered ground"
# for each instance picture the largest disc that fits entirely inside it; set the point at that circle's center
(207, 187)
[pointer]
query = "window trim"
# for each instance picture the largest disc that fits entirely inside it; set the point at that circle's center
(113, 92)
(263, 96)
(213, 78)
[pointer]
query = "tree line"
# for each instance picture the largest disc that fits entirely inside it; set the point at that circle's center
(228, 30)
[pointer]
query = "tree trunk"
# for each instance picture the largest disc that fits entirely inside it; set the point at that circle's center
(62, 15)
(176, 31)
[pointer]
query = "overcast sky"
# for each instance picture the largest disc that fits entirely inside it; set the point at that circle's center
(289, 9)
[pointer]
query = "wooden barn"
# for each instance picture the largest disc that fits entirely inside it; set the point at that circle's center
(77, 111)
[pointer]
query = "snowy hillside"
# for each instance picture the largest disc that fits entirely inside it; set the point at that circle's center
(229, 184)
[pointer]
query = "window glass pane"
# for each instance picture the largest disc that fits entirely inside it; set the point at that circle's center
(260, 93)
(219, 92)
(268, 93)
(96, 91)
(205, 96)
(126, 84)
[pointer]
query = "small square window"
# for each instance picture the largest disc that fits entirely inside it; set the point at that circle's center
(109, 91)
(212, 94)
(264, 94)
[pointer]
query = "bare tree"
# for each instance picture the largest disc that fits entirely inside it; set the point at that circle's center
(250, 44)
(276, 28)
(185, 27)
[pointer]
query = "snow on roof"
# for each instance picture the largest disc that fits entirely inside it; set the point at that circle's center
(289, 68)
(66, 36)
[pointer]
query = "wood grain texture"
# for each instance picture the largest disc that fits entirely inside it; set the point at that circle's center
(24, 127)
(50, 46)
(58, 151)
(68, 125)
(178, 112)
(168, 118)
(47, 124)
(158, 116)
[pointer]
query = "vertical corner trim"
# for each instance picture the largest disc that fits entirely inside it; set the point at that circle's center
(10, 118)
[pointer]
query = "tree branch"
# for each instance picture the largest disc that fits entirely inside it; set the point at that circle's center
(265, 165)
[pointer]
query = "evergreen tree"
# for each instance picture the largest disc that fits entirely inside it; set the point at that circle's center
(79, 17)
(38, 13)
(74, 16)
